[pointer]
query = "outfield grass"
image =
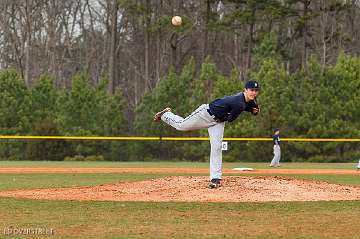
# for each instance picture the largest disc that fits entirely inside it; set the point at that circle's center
(71, 219)
(45, 180)
(169, 164)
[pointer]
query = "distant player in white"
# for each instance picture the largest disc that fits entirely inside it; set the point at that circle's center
(358, 166)
(213, 116)
(275, 162)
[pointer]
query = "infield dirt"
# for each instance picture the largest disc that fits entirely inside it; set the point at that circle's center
(194, 189)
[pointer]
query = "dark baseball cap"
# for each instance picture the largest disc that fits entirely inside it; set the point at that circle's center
(252, 84)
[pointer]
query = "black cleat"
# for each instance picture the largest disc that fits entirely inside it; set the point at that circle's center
(215, 183)
(157, 116)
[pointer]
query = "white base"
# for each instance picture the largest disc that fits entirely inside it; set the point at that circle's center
(244, 169)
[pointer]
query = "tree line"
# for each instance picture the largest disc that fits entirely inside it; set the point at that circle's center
(311, 102)
(133, 44)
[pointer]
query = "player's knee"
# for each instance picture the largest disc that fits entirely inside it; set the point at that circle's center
(182, 127)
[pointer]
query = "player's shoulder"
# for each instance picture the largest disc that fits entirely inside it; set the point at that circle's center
(238, 97)
(238, 94)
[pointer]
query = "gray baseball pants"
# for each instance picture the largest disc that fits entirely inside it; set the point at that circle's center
(277, 154)
(201, 119)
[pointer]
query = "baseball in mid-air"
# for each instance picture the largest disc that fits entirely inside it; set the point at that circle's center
(176, 20)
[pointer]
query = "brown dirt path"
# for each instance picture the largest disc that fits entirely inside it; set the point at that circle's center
(176, 170)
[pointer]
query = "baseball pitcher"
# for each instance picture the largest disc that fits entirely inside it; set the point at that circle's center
(213, 116)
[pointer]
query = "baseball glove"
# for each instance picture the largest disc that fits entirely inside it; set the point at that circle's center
(255, 108)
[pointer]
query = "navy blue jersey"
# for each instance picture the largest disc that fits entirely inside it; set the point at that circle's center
(276, 139)
(229, 108)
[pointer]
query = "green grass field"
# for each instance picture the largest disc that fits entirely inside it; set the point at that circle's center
(169, 164)
(73, 219)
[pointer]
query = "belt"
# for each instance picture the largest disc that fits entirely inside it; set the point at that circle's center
(211, 114)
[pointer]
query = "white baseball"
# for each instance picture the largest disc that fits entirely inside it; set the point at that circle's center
(176, 20)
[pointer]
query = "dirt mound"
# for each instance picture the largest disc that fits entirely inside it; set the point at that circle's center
(194, 189)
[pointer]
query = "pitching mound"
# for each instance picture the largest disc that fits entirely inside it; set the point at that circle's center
(194, 189)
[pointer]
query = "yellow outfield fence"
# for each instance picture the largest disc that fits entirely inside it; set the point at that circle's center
(155, 138)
